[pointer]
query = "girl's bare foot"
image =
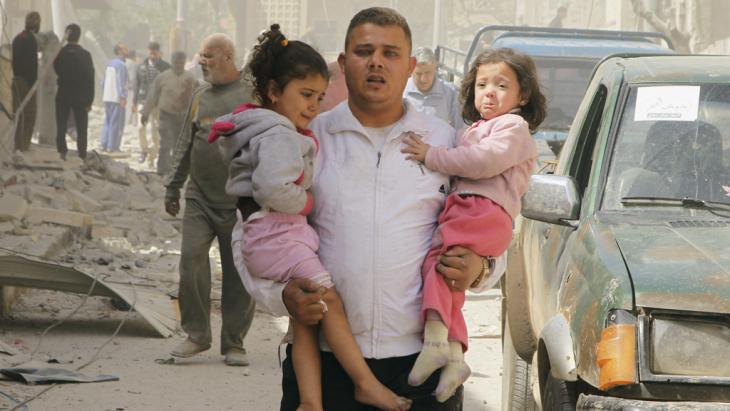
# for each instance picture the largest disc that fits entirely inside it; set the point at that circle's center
(378, 395)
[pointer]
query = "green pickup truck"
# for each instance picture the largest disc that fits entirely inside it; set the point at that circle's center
(565, 59)
(617, 291)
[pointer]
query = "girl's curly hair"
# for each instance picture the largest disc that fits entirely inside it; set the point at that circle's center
(277, 59)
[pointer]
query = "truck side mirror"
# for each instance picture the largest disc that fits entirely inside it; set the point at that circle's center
(552, 199)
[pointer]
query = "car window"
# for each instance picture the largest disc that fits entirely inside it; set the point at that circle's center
(659, 154)
(564, 82)
(582, 161)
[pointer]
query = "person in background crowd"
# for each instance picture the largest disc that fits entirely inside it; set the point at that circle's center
(147, 71)
(431, 95)
(130, 113)
(557, 21)
(25, 74)
(209, 212)
(169, 96)
(115, 99)
(75, 71)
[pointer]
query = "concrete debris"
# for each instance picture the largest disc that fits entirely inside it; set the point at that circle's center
(97, 214)
(12, 207)
(153, 306)
(68, 218)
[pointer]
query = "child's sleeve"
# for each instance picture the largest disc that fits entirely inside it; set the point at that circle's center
(278, 172)
(508, 144)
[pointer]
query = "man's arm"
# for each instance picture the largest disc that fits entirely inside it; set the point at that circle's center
(88, 67)
(138, 80)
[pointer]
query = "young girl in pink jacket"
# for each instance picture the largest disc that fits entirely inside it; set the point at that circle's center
(271, 154)
(492, 162)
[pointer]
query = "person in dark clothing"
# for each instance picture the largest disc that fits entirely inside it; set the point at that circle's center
(25, 74)
(75, 71)
(147, 70)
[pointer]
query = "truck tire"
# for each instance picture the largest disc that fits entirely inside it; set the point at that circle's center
(517, 300)
(558, 395)
(516, 379)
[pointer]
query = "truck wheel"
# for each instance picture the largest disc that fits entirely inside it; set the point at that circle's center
(558, 395)
(516, 379)
(517, 301)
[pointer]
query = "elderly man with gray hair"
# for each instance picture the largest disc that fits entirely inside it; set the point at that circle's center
(430, 94)
(209, 213)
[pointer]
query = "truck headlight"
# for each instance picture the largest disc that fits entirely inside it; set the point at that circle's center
(696, 347)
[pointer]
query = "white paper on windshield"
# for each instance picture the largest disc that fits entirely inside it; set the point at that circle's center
(672, 103)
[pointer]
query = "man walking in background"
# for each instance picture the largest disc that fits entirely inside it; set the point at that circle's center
(147, 71)
(25, 74)
(115, 99)
(75, 72)
(209, 212)
(431, 95)
(169, 95)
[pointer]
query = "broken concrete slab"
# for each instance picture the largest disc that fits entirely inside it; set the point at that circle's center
(81, 202)
(68, 218)
(156, 308)
(12, 207)
(104, 231)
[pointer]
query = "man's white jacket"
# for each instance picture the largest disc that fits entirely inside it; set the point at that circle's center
(375, 213)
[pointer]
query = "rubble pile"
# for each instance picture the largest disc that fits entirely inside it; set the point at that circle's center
(97, 214)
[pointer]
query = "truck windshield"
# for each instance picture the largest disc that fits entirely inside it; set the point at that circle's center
(564, 81)
(673, 142)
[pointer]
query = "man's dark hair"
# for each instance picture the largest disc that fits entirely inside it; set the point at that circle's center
(153, 45)
(380, 16)
(32, 20)
(74, 32)
(117, 48)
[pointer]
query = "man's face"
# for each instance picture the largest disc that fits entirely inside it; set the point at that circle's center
(123, 51)
(153, 55)
(377, 65)
(423, 76)
(214, 63)
(178, 64)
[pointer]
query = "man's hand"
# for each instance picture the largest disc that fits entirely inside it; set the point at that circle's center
(172, 206)
(302, 299)
(143, 119)
(415, 147)
(460, 267)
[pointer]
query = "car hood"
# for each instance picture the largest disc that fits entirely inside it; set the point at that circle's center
(682, 265)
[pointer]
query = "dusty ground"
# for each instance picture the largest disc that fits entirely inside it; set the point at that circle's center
(203, 382)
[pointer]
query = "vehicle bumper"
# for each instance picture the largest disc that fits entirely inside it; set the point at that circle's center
(594, 402)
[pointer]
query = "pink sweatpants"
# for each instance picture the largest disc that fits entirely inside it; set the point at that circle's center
(282, 246)
(473, 222)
